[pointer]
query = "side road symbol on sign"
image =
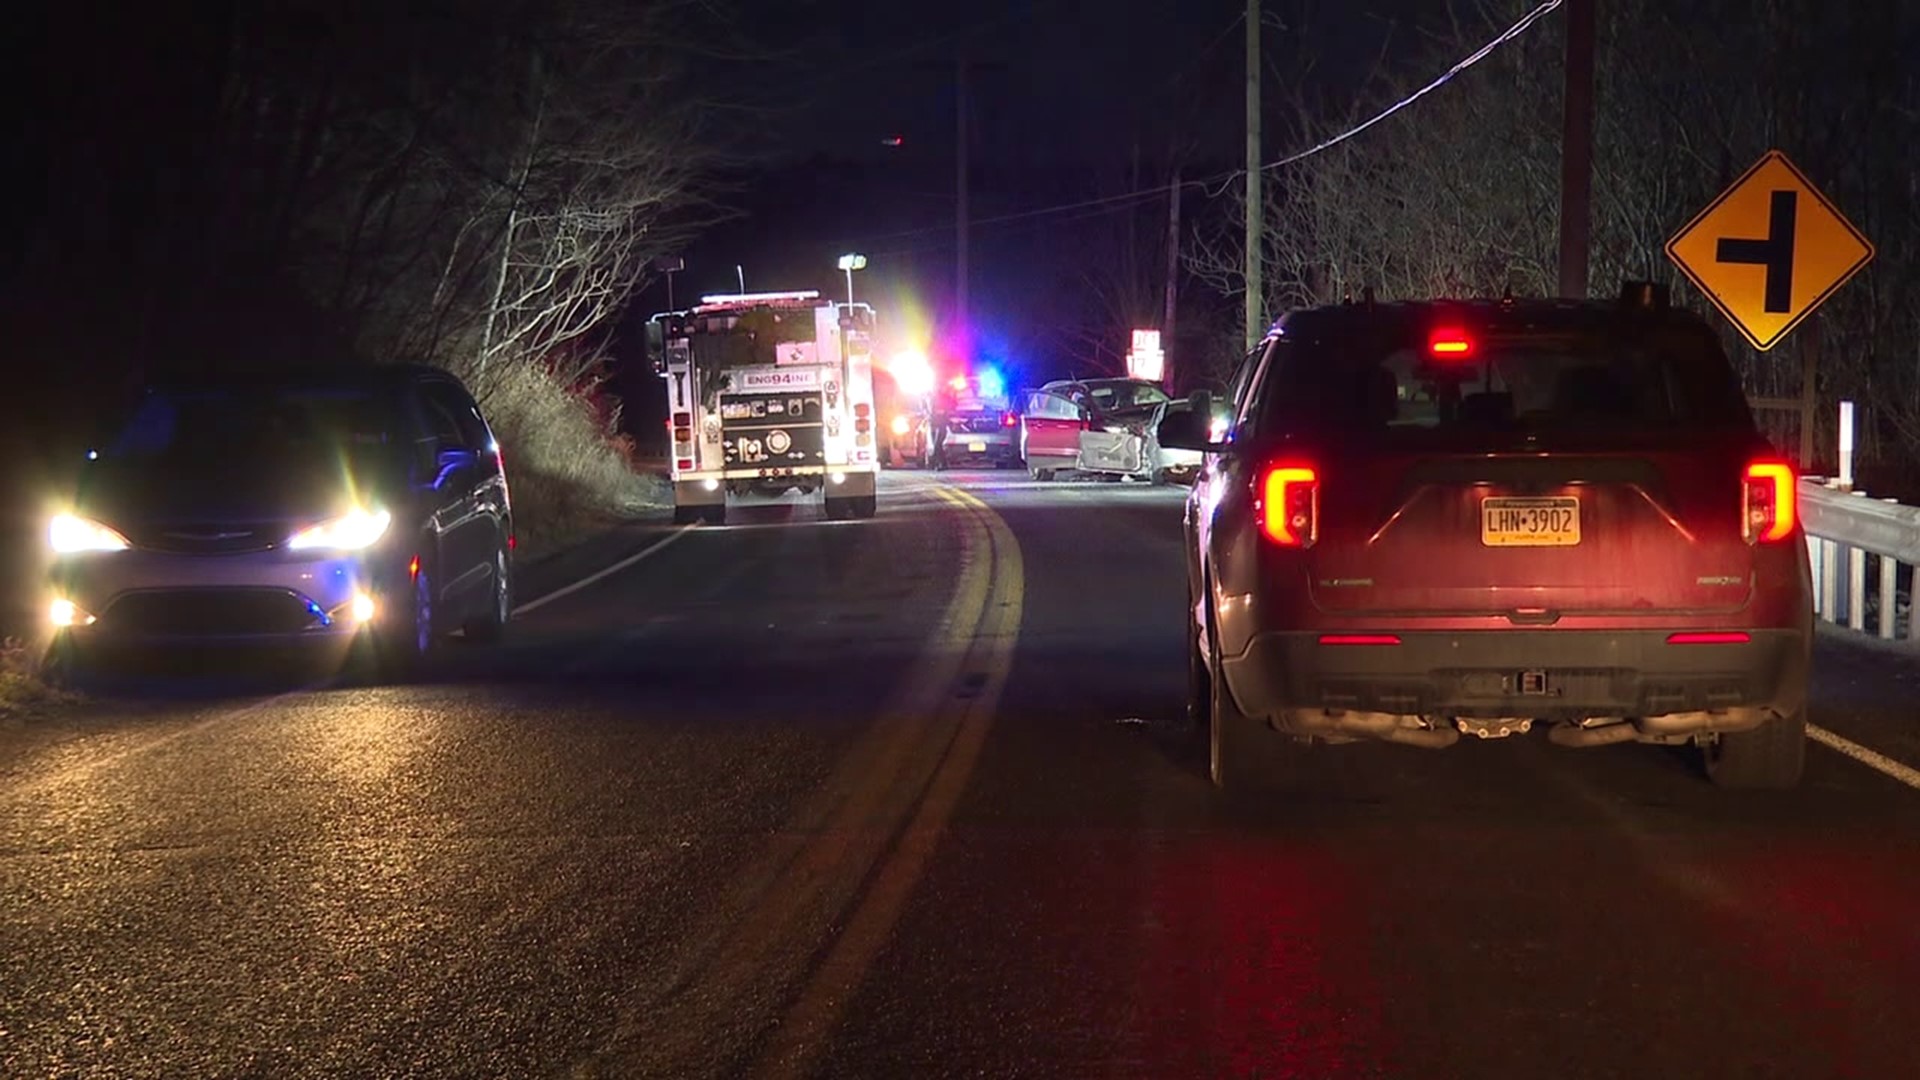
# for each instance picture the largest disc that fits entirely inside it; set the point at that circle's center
(1775, 252)
(1769, 250)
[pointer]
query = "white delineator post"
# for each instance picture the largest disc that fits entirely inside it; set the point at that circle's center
(1846, 446)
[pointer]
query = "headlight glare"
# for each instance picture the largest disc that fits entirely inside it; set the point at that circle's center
(348, 532)
(69, 534)
(64, 613)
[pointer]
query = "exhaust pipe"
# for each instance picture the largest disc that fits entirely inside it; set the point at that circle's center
(1583, 737)
(1671, 728)
(1701, 723)
(1386, 727)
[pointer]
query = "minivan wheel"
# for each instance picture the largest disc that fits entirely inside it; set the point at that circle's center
(492, 623)
(410, 636)
(1769, 757)
(65, 665)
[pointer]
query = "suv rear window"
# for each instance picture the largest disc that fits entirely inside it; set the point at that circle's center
(1652, 383)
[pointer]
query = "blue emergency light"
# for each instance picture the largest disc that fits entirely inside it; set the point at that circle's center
(990, 384)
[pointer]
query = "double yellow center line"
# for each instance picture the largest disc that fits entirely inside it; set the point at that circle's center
(982, 630)
(794, 934)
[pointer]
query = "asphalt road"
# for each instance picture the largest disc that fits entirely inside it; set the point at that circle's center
(911, 797)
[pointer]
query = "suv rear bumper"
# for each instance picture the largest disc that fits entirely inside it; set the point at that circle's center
(1545, 675)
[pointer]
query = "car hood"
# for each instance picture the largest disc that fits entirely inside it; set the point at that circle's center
(128, 495)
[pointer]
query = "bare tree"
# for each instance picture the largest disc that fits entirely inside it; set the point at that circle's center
(1458, 195)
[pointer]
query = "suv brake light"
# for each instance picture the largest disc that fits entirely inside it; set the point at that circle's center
(1770, 503)
(1288, 502)
(1451, 343)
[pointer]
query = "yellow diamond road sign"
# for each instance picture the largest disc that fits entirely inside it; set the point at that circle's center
(1769, 250)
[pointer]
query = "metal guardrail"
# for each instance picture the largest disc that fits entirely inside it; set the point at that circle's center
(1845, 529)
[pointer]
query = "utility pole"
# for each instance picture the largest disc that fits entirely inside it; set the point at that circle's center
(960, 184)
(1576, 152)
(1256, 287)
(1173, 274)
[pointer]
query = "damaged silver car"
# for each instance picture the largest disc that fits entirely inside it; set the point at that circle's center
(1104, 427)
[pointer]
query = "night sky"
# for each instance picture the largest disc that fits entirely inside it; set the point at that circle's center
(1069, 100)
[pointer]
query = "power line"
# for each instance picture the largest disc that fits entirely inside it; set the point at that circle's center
(1484, 51)
(1141, 196)
(1222, 180)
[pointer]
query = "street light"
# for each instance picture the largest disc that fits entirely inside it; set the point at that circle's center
(849, 263)
(669, 265)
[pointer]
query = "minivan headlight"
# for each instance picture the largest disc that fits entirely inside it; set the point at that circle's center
(348, 532)
(69, 534)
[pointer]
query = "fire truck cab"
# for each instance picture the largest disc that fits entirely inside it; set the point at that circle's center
(768, 393)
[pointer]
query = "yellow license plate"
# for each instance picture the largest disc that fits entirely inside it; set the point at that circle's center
(976, 448)
(1545, 522)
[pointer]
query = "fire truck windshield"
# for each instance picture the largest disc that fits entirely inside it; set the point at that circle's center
(754, 338)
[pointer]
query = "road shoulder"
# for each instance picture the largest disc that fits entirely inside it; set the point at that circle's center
(1867, 692)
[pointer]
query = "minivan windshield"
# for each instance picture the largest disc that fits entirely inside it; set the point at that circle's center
(225, 424)
(1534, 384)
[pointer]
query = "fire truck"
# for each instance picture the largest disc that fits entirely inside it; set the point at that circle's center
(768, 393)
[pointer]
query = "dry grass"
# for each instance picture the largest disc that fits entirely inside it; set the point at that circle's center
(570, 472)
(21, 688)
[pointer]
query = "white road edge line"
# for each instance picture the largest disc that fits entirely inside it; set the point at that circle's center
(1872, 759)
(569, 590)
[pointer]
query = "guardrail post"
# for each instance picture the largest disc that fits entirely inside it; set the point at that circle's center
(1856, 588)
(1814, 553)
(1829, 556)
(1889, 586)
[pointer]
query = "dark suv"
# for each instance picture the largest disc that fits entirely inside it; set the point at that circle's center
(1437, 518)
(366, 504)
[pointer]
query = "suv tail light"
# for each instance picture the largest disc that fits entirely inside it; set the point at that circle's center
(1009, 419)
(1770, 503)
(1288, 502)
